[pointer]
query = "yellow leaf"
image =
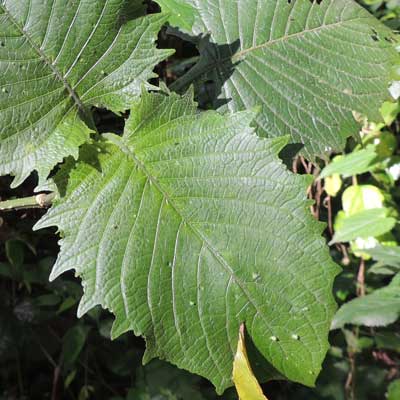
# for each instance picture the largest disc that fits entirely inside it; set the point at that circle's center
(246, 383)
(333, 184)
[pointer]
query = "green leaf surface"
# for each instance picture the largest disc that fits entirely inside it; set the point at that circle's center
(73, 343)
(380, 308)
(358, 198)
(15, 252)
(357, 162)
(188, 226)
(180, 13)
(308, 64)
(394, 390)
(58, 58)
(388, 255)
(364, 224)
(388, 340)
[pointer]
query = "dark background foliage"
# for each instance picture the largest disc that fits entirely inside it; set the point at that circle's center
(47, 353)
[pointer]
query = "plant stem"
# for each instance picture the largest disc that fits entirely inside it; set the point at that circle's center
(361, 279)
(39, 201)
(350, 381)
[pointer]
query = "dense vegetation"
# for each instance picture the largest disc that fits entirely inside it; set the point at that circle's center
(198, 189)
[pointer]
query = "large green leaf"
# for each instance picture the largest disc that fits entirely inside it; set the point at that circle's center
(308, 64)
(58, 58)
(190, 225)
(379, 308)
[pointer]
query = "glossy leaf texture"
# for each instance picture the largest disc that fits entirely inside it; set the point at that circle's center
(188, 226)
(308, 64)
(57, 59)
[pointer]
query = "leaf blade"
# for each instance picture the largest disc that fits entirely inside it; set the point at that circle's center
(58, 60)
(284, 57)
(380, 308)
(388, 255)
(354, 163)
(372, 222)
(155, 233)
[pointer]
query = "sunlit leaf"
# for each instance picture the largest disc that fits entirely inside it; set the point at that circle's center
(308, 64)
(364, 224)
(356, 162)
(57, 59)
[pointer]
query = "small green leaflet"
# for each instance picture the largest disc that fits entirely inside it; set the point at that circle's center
(357, 162)
(387, 255)
(364, 224)
(380, 308)
(308, 64)
(188, 226)
(57, 59)
(73, 343)
(394, 390)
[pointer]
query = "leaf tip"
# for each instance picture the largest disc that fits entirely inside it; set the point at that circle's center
(119, 327)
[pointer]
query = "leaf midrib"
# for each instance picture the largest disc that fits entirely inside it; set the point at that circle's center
(200, 236)
(44, 58)
(293, 35)
(195, 230)
(237, 56)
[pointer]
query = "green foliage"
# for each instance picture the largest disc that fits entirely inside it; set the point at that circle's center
(387, 10)
(353, 163)
(296, 60)
(185, 223)
(394, 390)
(368, 214)
(40, 335)
(364, 224)
(380, 308)
(388, 255)
(58, 61)
(164, 224)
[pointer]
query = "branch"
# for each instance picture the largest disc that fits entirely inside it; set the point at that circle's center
(41, 200)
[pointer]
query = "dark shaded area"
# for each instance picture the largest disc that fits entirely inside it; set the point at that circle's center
(289, 152)
(213, 68)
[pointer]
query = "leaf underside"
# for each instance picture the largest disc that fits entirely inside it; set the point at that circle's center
(58, 58)
(188, 226)
(308, 64)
